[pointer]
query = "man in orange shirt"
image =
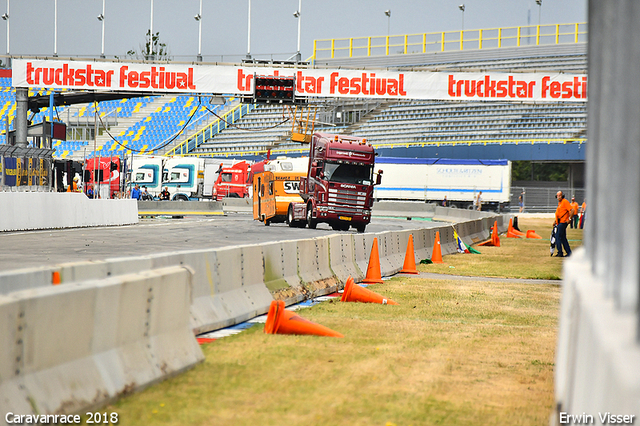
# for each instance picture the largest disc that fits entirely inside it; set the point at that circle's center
(564, 212)
(574, 213)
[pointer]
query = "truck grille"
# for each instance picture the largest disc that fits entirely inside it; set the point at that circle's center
(347, 201)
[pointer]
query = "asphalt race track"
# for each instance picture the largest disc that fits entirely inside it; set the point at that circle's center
(26, 249)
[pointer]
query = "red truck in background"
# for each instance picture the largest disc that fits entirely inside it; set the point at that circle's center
(234, 181)
(103, 176)
(338, 188)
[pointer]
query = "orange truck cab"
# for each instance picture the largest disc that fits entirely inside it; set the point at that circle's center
(277, 187)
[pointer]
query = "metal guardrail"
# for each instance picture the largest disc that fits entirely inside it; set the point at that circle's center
(446, 41)
(543, 199)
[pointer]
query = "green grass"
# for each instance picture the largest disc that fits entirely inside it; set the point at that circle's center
(451, 353)
(515, 258)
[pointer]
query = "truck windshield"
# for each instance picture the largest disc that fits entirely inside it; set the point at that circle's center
(348, 173)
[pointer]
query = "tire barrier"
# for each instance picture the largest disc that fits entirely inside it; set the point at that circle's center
(52, 210)
(72, 347)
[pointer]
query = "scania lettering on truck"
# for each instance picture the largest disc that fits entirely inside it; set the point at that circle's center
(338, 187)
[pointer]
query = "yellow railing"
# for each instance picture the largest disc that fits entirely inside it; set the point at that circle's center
(446, 41)
(305, 149)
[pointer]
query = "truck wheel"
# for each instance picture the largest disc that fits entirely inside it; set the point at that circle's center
(290, 216)
(267, 222)
(310, 220)
(360, 228)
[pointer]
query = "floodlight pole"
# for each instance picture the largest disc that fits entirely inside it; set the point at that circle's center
(388, 13)
(249, 32)
(6, 18)
(198, 18)
(539, 3)
(101, 19)
(55, 27)
(298, 56)
(151, 52)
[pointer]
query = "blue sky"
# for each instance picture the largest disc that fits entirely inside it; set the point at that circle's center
(273, 27)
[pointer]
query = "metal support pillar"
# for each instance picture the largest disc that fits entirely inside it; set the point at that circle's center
(22, 97)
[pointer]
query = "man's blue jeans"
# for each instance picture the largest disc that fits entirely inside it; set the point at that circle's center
(561, 239)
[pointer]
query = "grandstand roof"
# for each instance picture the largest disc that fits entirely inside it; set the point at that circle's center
(36, 103)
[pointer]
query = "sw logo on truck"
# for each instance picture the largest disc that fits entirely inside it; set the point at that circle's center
(291, 187)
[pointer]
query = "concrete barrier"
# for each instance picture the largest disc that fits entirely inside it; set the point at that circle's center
(225, 295)
(448, 243)
(237, 205)
(77, 346)
(594, 336)
(422, 244)
(24, 279)
(342, 256)
(314, 267)
(228, 285)
(362, 244)
(251, 298)
(391, 255)
(403, 209)
(50, 210)
(281, 271)
(179, 208)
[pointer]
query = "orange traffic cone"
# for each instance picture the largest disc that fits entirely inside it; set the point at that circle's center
(374, 276)
(532, 234)
(510, 234)
(355, 293)
(281, 321)
(436, 256)
(495, 238)
(409, 266)
(55, 278)
(513, 231)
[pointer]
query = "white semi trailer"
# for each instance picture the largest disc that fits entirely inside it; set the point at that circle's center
(433, 179)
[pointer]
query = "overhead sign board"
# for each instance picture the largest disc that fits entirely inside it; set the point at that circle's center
(334, 83)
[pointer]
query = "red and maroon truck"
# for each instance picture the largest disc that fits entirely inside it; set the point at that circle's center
(338, 188)
(234, 181)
